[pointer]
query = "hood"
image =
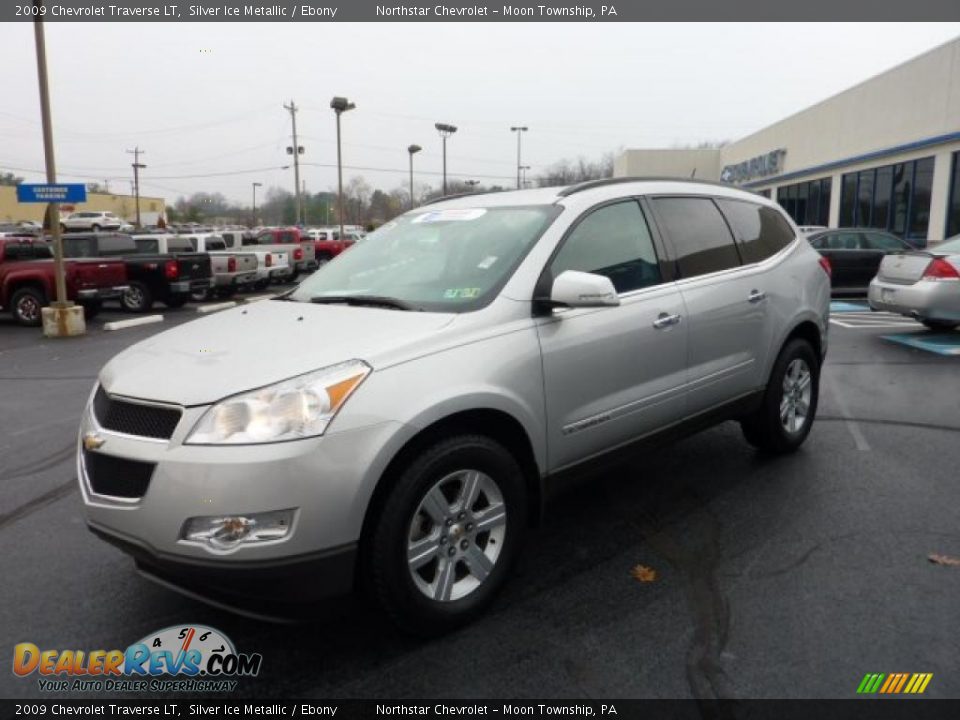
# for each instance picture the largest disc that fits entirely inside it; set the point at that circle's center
(254, 345)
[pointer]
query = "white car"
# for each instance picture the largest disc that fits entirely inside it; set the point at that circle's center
(94, 220)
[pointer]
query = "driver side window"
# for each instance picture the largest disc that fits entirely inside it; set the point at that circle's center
(613, 241)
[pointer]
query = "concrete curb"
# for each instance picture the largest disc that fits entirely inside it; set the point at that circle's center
(216, 306)
(133, 322)
(255, 298)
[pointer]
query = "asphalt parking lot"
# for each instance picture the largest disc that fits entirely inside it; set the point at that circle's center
(774, 578)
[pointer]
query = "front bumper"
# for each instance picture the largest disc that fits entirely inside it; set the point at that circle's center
(104, 293)
(925, 299)
(325, 481)
(271, 588)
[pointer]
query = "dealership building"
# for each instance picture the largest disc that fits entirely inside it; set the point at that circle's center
(123, 206)
(882, 154)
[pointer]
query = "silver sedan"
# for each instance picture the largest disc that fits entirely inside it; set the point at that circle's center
(922, 284)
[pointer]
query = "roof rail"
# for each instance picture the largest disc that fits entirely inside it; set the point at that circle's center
(457, 195)
(590, 184)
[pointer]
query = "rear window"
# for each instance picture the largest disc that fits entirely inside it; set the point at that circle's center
(117, 245)
(761, 232)
(214, 245)
(74, 247)
(181, 245)
(700, 238)
(147, 245)
(26, 251)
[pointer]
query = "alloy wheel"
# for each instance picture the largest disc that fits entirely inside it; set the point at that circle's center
(795, 400)
(456, 535)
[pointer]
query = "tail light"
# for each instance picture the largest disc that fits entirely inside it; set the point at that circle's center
(298, 253)
(825, 264)
(940, 269)
(170, 270)
(269, 260)
(231, 264)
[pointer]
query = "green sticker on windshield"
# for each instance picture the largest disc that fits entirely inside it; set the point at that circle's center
(461, 293)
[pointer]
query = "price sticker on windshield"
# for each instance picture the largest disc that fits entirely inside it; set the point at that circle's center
(460, 215)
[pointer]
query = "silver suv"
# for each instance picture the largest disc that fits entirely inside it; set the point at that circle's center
(94, 220)
(395, 422)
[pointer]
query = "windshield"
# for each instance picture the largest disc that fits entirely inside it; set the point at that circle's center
(444, 260)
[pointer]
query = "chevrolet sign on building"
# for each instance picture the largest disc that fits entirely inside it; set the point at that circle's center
(883, 154)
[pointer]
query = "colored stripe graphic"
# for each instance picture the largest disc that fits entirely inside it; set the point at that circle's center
(894, 683)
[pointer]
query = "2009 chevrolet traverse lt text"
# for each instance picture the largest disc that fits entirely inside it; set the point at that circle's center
(394, 422)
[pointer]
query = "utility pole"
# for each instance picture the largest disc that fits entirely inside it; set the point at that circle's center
(296, 150)
(519, 130)
(137, 166)
(62, 309)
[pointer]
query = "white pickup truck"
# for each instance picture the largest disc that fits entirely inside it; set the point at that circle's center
(273, 265)
(230, 270)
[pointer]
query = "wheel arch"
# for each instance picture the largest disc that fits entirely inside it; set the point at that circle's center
(497, 424)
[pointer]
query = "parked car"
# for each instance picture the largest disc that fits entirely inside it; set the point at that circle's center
(302, 254)
(272, 265)
(28, 281)
(168, 278)
(327, 243)
(94, 220)
(395, 421)
(855, 255)
(231, 270)
(922, 284)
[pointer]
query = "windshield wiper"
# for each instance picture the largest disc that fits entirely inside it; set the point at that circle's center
(363, 300)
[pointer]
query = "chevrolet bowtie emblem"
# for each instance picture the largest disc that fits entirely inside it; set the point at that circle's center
(92, 441)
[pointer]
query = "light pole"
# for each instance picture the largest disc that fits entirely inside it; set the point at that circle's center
(253, 222)
(519, 130)
(340, 105)
(137, 167)
(445, 131)
(413, 149)
(296, 150)
(524, 168)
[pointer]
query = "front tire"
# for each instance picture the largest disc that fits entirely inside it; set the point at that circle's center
(939, 325)
(26, 305)
(137, 297)
(789, 405)
(95, 228)
(447, 534)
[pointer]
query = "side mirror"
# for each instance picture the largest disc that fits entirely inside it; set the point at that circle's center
(573, 288)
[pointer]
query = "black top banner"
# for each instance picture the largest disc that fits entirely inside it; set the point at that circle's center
(321, 11)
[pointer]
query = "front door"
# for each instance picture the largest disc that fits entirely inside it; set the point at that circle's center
(612, 374)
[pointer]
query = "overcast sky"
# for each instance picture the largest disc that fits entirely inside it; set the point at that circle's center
(208, 98)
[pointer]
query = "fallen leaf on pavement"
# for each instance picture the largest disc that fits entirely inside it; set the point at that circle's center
(944, 560)
(642, 573)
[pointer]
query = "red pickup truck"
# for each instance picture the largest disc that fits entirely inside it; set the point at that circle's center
(328, 244)
(27, 280)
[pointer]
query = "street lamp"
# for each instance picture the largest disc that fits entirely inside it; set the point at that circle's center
(413, 149)
(519, 130)
(445, 132)
(255, 186)
(340, 105)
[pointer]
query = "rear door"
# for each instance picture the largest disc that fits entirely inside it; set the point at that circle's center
(612, 374)
(728, 312)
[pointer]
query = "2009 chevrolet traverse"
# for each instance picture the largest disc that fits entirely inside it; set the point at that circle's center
(394, 421)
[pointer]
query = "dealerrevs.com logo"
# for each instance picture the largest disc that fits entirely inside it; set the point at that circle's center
(192, 658)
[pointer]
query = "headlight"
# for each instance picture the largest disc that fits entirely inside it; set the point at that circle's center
(289, 410)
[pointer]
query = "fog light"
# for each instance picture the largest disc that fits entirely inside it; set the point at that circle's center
(226, 532)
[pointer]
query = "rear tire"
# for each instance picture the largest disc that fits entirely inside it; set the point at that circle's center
(789, 405)
(26, 305)
(137, 297)
(459, 510)
(940, 325)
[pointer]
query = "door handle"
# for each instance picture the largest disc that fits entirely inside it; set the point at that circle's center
(756, 296)
(664, 321)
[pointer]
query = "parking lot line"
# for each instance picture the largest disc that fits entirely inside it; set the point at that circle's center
(216, 306)
(842, 306)
(133, 322)
(942, 344)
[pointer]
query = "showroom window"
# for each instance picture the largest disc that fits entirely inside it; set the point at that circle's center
(953, 206)
(808, 203)
(893, 197)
